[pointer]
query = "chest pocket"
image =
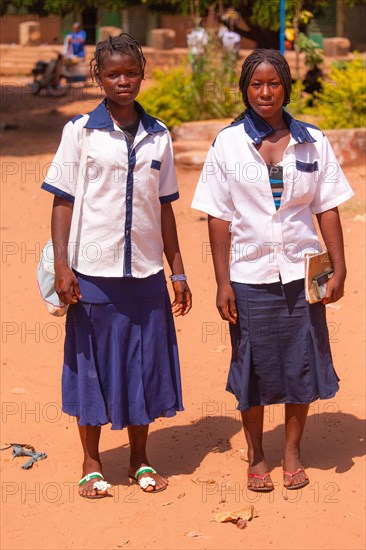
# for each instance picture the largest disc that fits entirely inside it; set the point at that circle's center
(154, 179)
(308, 167)
(300, 180)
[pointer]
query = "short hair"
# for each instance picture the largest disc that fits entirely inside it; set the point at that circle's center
(273, 57)
(122, 44)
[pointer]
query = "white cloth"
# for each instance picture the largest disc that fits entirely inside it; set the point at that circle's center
(197, 40)
(120, 229)
(67, 46)
(234, 186)
(230, 39)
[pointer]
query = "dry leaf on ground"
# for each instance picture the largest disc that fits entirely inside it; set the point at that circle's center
(245, 514)
(193, 534)
(199, 481)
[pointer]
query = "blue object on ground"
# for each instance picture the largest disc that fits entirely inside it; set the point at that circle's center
(27, 450)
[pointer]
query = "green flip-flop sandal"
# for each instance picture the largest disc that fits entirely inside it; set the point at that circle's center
(99, 485)
(146, 481)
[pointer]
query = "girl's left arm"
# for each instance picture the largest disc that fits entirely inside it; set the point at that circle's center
(183, 297)
(331, 230)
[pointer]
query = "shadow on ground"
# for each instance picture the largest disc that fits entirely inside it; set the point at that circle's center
(176, 450)
(32, 124)
(331, 441)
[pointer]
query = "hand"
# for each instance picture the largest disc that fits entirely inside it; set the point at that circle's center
(335, 288)
(66, 285)
(226, 303)
(183, 298)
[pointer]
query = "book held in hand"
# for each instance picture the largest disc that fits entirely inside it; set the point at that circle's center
(318, 271)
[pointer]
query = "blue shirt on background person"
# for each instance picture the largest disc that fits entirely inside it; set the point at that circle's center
(78, 37)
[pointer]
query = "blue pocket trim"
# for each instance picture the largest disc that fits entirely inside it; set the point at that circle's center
(156, 164)
(307, 166)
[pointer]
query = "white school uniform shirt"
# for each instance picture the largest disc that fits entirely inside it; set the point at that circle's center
(124, 187)
(269, 244)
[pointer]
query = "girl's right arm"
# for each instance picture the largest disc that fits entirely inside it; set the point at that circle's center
(66, 283)
(220, 241)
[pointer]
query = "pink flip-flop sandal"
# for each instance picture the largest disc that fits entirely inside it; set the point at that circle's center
(258, 489)
(293, 485)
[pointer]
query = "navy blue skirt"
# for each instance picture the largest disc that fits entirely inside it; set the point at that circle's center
(121, 358)
(280, 347)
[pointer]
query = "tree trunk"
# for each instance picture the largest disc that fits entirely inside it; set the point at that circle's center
(264, 38)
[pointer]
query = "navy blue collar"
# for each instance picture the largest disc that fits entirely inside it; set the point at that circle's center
(100, 118)
(257, 129)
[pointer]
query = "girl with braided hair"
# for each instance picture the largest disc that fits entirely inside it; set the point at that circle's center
(120, 358)
(265, 177)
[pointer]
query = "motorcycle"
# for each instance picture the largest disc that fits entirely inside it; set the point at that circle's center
(56, 76)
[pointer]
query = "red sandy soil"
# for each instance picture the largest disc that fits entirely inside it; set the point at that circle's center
(41, 507)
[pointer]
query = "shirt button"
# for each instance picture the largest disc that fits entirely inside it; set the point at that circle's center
(255, 139)
(129, 197)
(127, 232)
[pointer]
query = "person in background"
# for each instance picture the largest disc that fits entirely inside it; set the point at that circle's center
(77, 40)
(197, 40)
(230, 42)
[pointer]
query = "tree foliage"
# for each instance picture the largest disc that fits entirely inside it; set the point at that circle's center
(262, 14)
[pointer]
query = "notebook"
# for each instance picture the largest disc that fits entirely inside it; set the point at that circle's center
(318, 270)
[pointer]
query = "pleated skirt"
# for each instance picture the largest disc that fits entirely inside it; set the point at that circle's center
(280, 347)
(121, 360)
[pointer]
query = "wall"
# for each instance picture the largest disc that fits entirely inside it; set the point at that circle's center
(50, 28)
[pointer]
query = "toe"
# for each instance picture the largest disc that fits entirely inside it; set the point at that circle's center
(161, 483)
(87, 490)
(300, 478)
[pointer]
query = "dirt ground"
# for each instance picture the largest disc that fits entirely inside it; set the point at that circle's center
(202, 449)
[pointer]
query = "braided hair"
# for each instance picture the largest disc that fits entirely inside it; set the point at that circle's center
(250, 64)
(114, 45)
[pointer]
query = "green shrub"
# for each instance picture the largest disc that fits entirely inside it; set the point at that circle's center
(169, 97)
(341, 104)
(179, 95)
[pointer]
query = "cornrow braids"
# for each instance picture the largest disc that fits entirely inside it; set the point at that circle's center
(250, 64)
(122, 44)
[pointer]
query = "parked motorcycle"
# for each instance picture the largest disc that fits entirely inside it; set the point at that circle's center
(56, 76)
